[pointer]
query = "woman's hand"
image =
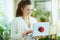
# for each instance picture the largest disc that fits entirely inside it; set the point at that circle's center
(36, 37)
(29, 31)
(26, 32)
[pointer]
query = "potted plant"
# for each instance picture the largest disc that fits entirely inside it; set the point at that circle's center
(43, 19)
(44, 38)
(35, 13)
(1, 33)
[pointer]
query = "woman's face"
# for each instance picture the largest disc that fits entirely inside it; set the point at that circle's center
(27, 10)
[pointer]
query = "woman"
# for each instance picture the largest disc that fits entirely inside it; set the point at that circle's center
(22, 25)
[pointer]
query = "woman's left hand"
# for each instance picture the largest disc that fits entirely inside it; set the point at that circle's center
(29, 31)
(26, 32)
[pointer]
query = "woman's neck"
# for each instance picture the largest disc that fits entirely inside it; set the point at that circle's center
(25, 17)
(27, 20)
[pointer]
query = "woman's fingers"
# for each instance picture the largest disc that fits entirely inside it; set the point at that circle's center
(26, 32)
(29, 31)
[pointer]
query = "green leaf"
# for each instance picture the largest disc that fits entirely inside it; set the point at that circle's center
(1, 30)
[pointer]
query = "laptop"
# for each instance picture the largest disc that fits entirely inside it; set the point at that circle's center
(41, 29)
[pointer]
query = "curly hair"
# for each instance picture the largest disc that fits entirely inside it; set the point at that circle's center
(22, 4)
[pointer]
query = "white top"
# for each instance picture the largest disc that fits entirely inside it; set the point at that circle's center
(18, 26)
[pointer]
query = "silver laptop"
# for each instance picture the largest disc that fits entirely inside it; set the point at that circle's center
(41, 29)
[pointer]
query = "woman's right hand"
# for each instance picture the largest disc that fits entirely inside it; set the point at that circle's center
(26, 32)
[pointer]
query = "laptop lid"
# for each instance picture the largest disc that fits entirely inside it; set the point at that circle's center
(41, 29)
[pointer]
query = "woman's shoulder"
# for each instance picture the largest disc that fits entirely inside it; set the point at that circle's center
(17, 19)
(32, 18)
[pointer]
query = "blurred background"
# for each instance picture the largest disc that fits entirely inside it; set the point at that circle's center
(43, 11)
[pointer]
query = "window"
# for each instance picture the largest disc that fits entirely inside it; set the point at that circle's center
(6, 9)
